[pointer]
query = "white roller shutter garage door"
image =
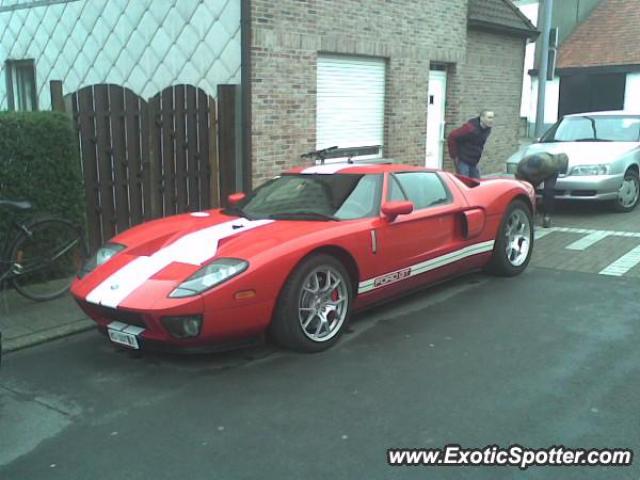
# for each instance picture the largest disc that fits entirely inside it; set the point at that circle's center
(350, 102)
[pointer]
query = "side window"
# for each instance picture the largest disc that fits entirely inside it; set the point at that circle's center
(364, 199)
(395, 191)
(424, 189)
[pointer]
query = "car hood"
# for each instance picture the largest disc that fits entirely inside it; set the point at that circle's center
(579, 153)
(162, 253)
(197, 239)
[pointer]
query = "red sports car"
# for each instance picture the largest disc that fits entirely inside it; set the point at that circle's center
(294, 258)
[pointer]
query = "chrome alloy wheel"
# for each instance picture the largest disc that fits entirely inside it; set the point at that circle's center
(323, 303)
(518, 233)
(629, 191)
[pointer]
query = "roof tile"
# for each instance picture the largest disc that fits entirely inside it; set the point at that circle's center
(501, 13)
(610, 36)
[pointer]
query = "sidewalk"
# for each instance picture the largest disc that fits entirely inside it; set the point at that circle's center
(24, 323)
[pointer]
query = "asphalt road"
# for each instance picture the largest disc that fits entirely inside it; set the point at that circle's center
(549, 358)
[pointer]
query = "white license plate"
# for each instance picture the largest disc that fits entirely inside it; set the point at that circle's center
(124, 338)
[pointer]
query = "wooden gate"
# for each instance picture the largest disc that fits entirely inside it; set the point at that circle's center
(144, 160)
(182, 146)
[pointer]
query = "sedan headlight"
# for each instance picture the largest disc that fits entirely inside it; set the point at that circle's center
(215, 273)
(590, 170)
(103, 255)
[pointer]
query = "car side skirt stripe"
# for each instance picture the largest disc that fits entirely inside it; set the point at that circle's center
(423, 267)
(194, 248)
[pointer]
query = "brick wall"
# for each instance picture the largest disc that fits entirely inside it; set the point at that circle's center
(287, 36)
(492, 79)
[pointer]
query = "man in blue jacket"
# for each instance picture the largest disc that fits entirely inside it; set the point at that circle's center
(466, 143)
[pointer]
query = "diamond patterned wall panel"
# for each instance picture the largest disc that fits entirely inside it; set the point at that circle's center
(145, 45)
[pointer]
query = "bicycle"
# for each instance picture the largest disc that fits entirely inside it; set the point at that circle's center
(43, 256)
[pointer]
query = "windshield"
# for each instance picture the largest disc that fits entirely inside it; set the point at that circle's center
(314, 197)
(585, 128)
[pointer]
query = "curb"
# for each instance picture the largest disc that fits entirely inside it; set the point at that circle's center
(37, 338)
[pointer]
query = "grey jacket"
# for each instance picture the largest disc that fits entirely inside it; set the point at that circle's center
(537, 167)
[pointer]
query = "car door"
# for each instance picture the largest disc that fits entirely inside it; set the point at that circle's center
(411, 248)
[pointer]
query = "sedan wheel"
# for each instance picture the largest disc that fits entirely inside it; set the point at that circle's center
(514, 243)
(314, 305)
(629, 192)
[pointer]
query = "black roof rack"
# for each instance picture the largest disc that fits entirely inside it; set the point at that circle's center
(335, 152)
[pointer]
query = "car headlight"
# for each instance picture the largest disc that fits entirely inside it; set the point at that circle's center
(589, 170)
(103, 255)
(215, 273)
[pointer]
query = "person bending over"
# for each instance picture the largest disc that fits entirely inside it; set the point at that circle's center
(543, 167)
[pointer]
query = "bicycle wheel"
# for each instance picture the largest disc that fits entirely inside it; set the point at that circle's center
(46, 258)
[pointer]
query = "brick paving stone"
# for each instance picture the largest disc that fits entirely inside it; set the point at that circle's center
(551, 252)
(595, 215)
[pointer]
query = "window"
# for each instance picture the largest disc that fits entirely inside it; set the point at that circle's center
(350, 102)
(424, 189)
(364, 199)
(604, 128)
(21, 85)
(395, 190)
(311, 196)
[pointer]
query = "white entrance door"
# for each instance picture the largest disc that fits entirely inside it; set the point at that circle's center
(435, 118)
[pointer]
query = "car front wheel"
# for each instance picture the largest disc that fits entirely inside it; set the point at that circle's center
(629, 192)
(514, 243)
(314, 305)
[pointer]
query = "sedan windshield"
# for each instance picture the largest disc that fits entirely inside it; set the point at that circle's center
(595, 128)
(314, 197)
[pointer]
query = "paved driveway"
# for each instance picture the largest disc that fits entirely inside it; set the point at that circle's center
(588, 237)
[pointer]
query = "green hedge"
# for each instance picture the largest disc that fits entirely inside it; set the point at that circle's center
(39, 162)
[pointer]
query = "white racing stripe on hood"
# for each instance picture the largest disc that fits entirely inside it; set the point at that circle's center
(194, 248)
(330, 168)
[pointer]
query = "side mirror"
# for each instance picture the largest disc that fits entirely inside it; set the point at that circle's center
(236, 198)
(392, 209)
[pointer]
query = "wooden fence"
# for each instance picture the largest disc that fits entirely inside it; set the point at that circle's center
(145, 159)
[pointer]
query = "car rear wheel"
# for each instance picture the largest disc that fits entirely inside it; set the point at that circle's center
(314, 305)
(629, 192)
(514, 243)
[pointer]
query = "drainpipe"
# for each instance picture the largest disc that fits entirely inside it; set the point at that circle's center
(544, 63)
(243, 176)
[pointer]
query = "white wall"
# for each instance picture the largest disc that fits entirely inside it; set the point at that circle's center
(632, 92)
(145, 45)
(552, 100)
(531, 12)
